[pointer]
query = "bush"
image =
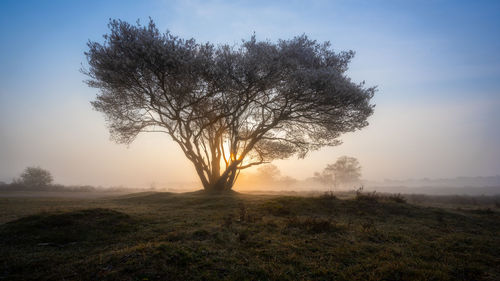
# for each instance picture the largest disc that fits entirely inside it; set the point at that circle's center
(377, 197)
(398, 198)
(328, 196)
(367, 197)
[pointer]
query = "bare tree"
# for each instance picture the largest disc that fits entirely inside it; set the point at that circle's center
(228, 108)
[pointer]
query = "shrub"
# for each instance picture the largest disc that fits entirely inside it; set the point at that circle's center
(398, 198)
(377, 197)
(366, 197)
(328, 196)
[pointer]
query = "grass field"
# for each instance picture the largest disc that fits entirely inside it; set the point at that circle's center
(195, 236)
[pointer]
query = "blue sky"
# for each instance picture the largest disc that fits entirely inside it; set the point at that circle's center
(436, 63)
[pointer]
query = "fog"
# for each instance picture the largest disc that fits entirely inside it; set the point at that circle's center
(394, 149)
(436, 123)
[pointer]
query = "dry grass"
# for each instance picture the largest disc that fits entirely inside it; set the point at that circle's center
(194, 236)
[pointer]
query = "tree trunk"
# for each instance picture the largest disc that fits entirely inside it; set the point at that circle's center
(223, 182)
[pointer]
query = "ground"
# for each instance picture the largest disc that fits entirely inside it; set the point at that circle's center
(194, 236)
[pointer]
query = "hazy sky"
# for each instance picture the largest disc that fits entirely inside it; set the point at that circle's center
(436, 64)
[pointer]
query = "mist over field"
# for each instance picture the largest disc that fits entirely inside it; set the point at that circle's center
(435, 67)
(249, 140)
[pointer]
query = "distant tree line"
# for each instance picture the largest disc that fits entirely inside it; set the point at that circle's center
(344, 174)
(267, 177)
(35, 178)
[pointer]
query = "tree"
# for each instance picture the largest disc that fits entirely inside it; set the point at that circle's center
(344, 171)
(268, 173)
(228, 108)
(266, 176)
(324, 178)
(35, 177)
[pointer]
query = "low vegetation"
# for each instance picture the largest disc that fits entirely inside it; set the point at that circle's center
(195, 236)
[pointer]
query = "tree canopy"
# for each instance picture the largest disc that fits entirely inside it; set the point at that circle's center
(35, 177)
(227, 107)
(344, 171)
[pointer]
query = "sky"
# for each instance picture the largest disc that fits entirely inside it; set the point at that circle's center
(436, 65)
